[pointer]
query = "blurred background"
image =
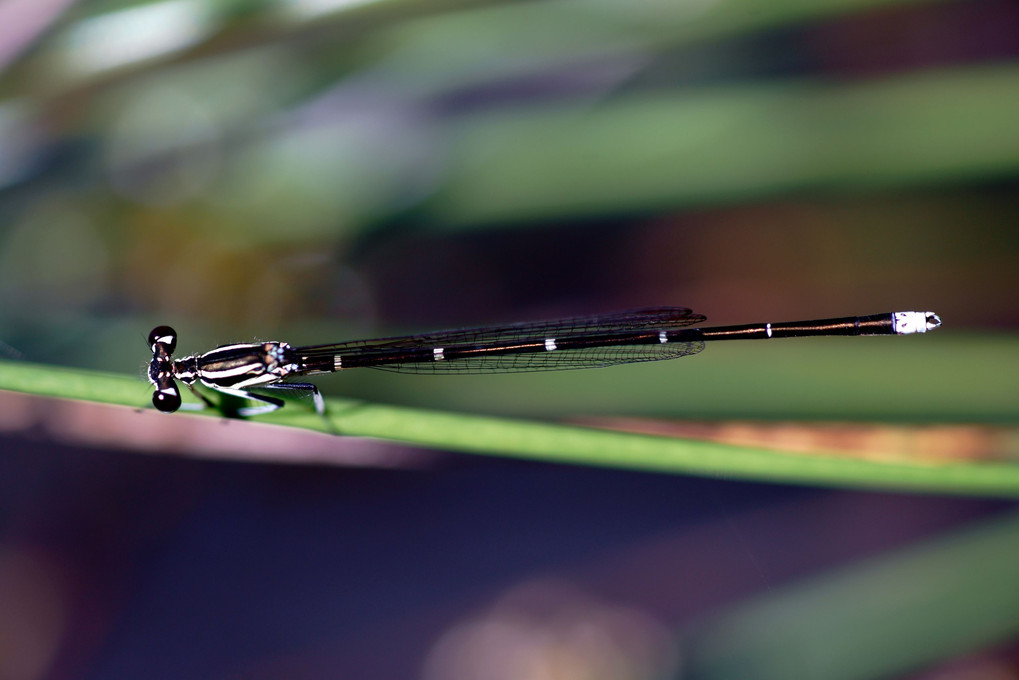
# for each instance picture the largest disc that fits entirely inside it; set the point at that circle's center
(323, 170)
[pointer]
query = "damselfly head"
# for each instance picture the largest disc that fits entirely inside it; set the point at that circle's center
(163, 340)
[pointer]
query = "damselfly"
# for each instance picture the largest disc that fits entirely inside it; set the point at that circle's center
(649, 334)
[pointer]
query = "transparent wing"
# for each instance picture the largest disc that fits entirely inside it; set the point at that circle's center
(523, 362)
(581, 342)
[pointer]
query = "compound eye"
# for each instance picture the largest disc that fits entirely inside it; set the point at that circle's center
(166, 398)
(163, 335)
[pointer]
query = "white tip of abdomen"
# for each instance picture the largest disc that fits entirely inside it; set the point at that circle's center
(904, 323)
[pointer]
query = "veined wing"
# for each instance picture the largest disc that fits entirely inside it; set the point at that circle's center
(580, 342)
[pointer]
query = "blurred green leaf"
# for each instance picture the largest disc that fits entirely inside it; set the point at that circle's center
(898, 612)
(730, 142)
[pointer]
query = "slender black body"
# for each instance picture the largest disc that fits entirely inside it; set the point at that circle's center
(651, 334)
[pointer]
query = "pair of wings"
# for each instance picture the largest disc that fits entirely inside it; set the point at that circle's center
(626, 337)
